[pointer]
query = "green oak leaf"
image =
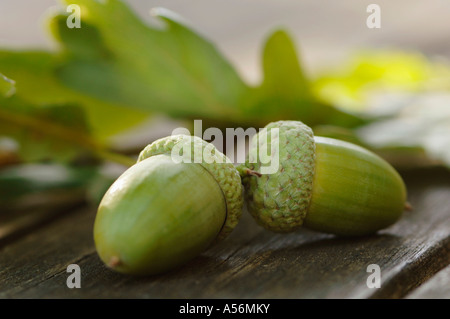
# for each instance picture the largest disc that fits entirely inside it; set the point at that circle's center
(174, 70)
(170, 70)
(115, 71)
(48, 131)
(43, 132)
(285, 92)
(37, 84)
(355, 83)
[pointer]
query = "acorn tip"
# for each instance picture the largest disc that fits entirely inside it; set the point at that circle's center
(114, 261)
(408, 206)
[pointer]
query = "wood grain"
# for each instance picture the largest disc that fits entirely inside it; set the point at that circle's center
(437, 287)
(17, 223)
(252, 262)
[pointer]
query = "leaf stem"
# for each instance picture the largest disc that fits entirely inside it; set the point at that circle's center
(67, 134)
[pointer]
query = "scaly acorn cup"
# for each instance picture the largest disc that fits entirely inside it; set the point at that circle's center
(321, 183)
(180, 197)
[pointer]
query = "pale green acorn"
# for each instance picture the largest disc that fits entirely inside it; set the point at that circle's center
(161, 212)
(321, 183)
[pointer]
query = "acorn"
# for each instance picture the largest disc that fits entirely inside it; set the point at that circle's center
(319, 183)
(181, 197)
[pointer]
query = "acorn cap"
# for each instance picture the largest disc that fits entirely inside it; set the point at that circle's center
(215, 162)
(279, 201)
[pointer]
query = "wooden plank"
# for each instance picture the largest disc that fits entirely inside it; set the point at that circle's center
(17, 223)
(437, 287)
(252, 263)
(47, 251)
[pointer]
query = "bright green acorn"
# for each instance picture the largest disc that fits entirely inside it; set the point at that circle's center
(163, 211)
(320, 183)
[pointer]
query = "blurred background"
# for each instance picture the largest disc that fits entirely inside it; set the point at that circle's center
(324, 31)
(73, 101)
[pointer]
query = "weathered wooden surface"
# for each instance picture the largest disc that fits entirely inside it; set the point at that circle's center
(252, 262)
(437, 287)
(15, 223)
